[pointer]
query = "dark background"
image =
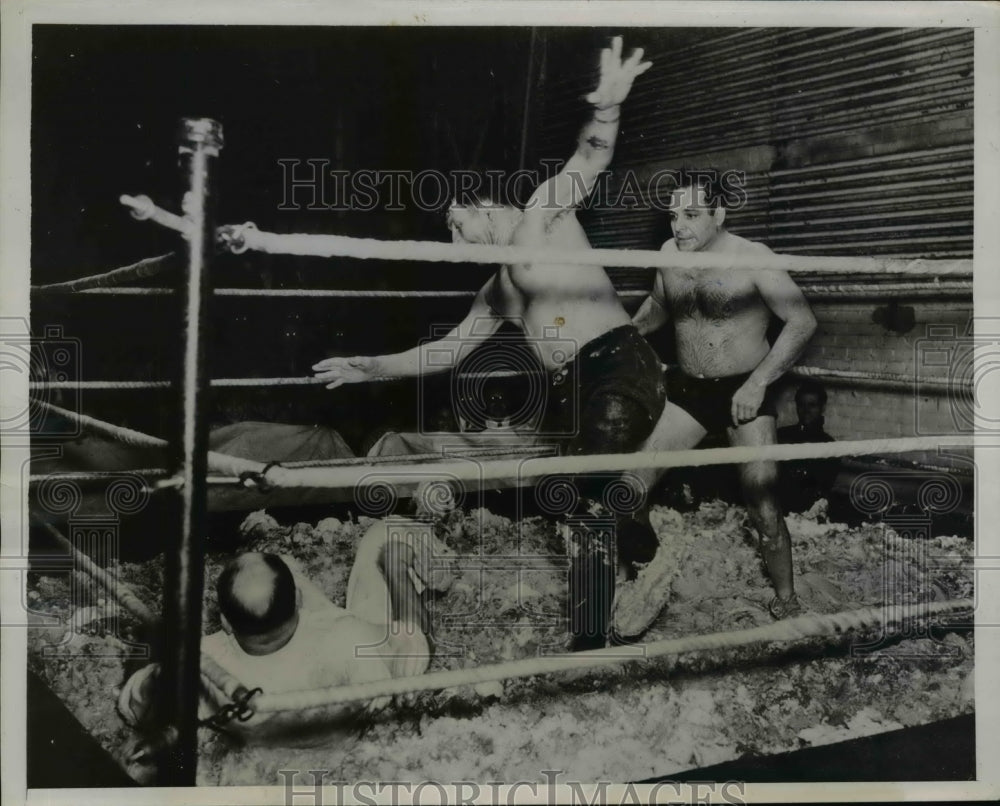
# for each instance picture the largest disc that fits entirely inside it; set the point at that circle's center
(106, 101)
(105, 105)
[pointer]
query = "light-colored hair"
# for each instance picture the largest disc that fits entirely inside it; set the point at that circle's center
(501, 220)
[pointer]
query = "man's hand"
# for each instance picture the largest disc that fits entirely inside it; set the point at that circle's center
(412, 647)
(747, 401)
(432, 562)
(338, 371)
(616, 76)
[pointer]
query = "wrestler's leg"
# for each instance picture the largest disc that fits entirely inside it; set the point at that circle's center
(609, 423)
(676, 430)
(637, 541)
(759, 481)
(367, 591)
(380, 591)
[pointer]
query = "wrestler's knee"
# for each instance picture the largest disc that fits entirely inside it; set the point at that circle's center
(758, 480)
(613, 423)
(372, 542)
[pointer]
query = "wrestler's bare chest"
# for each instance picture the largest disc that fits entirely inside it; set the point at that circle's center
(526, 283)
(710, 295)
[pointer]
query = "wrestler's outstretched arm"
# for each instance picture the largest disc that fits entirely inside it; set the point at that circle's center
(425, 359)
(596, 144)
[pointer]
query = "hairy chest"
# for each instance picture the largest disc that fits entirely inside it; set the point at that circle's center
(710, 295)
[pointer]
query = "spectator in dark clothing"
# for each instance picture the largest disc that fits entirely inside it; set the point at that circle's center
(805, 481)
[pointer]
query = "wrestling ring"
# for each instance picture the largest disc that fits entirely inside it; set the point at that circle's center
(375, 485)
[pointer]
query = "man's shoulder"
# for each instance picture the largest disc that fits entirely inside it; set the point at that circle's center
(741, 245)
(541, 218)
(321, 619)
(669, 246)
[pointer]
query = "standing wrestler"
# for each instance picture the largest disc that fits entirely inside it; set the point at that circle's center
(726, 365)
(614, 374)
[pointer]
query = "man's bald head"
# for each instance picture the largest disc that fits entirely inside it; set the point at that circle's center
(256, 594)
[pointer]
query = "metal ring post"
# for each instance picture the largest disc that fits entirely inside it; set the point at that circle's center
(199, 140)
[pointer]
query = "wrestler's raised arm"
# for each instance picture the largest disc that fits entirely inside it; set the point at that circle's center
(425, 359)
(596, 144)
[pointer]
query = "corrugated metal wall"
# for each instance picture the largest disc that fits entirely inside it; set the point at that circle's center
(854, 141)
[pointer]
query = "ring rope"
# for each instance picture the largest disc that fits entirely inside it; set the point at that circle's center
(157, 473)
(909, 464)
(867, 291)
(143, 208)
(317, 293)
(788, 630)
(366, 461)
(840, 291)
(529, 467)
(892, 380)
(86, 476)
(249, 237)
(119, 433)
(418, 458)
(106, 283)
(883, 380)
(226, 383)
(122, 386)
(121, 592)
(130, 601)
(217, 462)
(807, 626)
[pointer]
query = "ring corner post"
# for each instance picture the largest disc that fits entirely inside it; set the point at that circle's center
(199, 142)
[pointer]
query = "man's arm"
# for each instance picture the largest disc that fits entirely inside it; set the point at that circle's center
(395, 561)
(652, 314)
(410, 628)
(785, 299)
(439, 356)
(596, 143)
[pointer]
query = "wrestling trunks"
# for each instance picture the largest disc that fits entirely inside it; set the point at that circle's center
(617, 364)
(709, 400)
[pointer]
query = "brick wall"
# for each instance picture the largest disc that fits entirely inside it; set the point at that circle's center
(847, 338)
